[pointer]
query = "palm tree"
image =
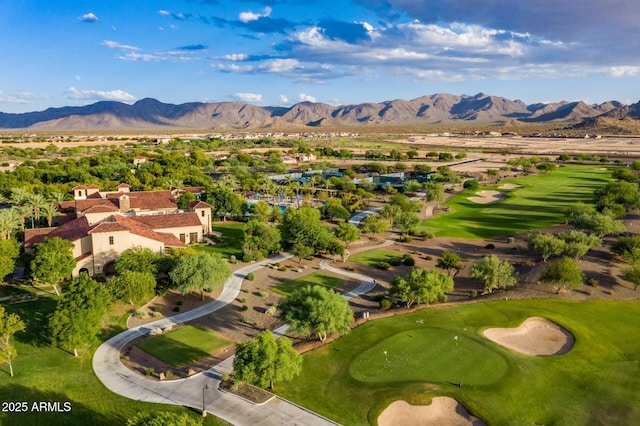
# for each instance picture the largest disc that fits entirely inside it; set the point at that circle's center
(22, 213)
(58, 197)
(8, 222)
(36, 202)
(18, 196)
(174, 183)
(49, 211)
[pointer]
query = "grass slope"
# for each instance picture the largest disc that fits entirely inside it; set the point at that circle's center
(595, 383)
(315, 278)
(232, 236)
(541, 202)
(184, 345)
(373, 257)
(45, 373)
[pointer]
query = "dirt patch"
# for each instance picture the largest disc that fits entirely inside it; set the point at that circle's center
(246, 391)
(487, 197)
(443, 411)
(536, 336)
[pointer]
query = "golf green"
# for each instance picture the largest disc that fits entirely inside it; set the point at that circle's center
(429, 355)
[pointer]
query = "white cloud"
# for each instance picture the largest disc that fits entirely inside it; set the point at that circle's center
(171, 56)
(89, 17)
(235, 57)
(625, 71)
(252, 16)
(284, 100)
(247, 97)
(16, 98)
(164, 12)
(99, 95)
(115, 45)
(303, 97)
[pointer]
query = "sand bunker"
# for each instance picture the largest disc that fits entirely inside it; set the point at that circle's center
(536, 336)
(510, 186)
(443, 411)
(487, 197)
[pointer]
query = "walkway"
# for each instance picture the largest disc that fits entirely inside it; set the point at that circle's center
(192, 391)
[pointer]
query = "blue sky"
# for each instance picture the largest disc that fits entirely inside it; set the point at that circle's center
(279, 52)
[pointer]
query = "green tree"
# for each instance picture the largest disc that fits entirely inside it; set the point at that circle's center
(621, 193)
(303, 226)
(628, 247)
(333, 209)
(226, 203)
(406, 221)
(450, 261)
(260, 239)
(493, 273)
(164, 418)
(546, 245)
(264, 360)
(49, 211)
(564, 272)
(138, 259)
(262, 210)
(316, 310)
(184, 199)
(53, 260)
(632, 274)
(302, 252)
(375, 224)
(199, 272)
(9, 221)
(9, 252)
(77, 318)
(10, 324)
(471, 185)
(578, 243)
(347, 232)
(420, 286)
(132, 286)
(435, 192)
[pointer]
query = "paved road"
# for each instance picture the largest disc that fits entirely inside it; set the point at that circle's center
(191, 391)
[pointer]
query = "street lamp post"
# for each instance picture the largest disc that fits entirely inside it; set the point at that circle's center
(204, 409)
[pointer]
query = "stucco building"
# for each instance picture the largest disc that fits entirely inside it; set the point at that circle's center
(107, 223)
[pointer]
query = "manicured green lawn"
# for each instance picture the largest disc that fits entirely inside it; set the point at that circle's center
(232, 236)
(45, 373)
(373, 257)
(541, 202)
(315, 278)
(184, 345)
(351, 380)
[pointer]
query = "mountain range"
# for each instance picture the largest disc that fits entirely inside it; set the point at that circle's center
(439, 108)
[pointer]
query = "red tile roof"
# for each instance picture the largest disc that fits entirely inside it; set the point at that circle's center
(143, 230)
(147, 200)
(71, 231)
(199, 205)
(82, 205)
(174, 220)
(101, 209)
(108, 227)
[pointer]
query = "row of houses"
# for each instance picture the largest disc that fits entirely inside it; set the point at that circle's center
(104, 224)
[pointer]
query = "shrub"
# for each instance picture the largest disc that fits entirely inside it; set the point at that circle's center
(176, 309)
(395, 261)
(140, 315)
(157, 308)
(593, 282)
(383, 265)
(511, 240)
(224, 377)
(490, 246)
(283, 269)
(474, 293)
(156, 314)
(248, 258)
(242, 300)
(245, 308)
(149, 371)
(428, 257)
(168, 374)
(263, 294)
(250, 276)
(233, 259)
(385, 304)
(406, 239)
(179, 303)
(409, 260)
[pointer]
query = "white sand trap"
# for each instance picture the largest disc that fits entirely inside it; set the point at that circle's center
(487, 197)
(536, 336)
(443, 411)
(510, 186)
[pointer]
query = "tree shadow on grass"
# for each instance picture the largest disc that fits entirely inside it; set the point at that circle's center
(35, 316)
(50, 408)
